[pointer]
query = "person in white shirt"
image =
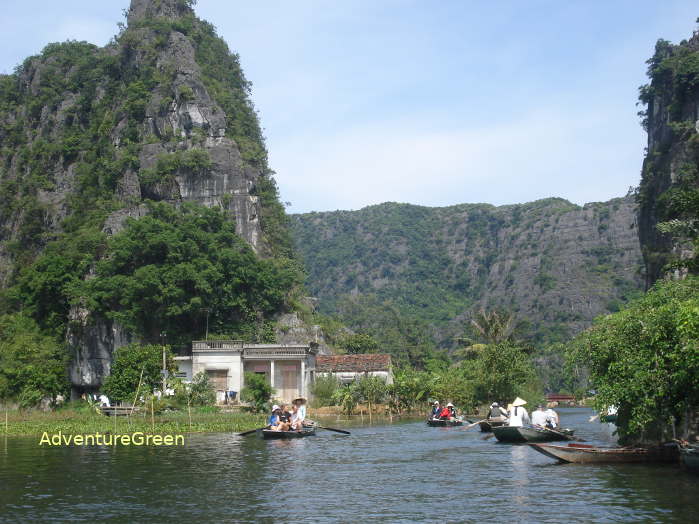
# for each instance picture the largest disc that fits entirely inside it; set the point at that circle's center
(552, 418)
(298, 415)
(539, 416)
(104, 400)
(518, 415)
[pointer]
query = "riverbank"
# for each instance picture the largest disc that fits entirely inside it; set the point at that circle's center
(72, 421)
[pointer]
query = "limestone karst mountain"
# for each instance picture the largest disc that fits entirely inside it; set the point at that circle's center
(161, 118)
(669, 189)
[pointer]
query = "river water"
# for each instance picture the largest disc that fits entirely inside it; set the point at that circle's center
(400, 472)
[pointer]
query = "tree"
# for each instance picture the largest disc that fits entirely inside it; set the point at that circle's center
(645, 360)
(359, 343)
(501, 371)
(32, 365)
(257, 391)
(493, 327)
(129, 362)
(372, 390)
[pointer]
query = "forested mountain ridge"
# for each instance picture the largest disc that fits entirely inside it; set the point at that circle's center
(136, 198)
(555, 265)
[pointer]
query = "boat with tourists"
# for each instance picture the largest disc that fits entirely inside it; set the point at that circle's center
(515, 434)
(443, 422)
(268, 434)
(587, 454)
(488, 425)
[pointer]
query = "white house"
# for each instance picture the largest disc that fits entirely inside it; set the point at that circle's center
(289, 368)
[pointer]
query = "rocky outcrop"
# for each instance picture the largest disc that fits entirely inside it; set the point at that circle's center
(670, 176)
(554, 264)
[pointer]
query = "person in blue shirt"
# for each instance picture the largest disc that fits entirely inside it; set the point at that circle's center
(436, 409)
(273, 420)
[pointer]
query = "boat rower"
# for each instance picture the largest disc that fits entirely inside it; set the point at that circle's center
(518, 414)
(496, 411)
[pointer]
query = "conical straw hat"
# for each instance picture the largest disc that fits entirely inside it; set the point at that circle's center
(519, 402)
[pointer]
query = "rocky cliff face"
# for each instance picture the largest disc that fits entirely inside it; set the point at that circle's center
(554, 264)
(88, 134)
(669, 190)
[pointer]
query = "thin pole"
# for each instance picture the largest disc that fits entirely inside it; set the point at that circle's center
(206, 336)
(152, 416)
(7, 427)
(164, 372)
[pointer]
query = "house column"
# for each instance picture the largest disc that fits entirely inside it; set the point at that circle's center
(271, 373)
(302, 392)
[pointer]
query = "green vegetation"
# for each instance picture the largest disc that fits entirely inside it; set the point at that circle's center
(136, 368)
(257, 392)
(32, 364)
(645, 360)
(82, 420)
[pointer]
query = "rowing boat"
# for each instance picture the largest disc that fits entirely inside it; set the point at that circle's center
(438, 422)
(488, 425)
(689, 457)
(586, 454)
(271, 434)
(530, 434)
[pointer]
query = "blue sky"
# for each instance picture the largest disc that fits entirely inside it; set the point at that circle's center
(433, 102)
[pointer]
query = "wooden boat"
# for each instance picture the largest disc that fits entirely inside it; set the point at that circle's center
(438, 422)
(689, 457)
(586, 454)
(488, 425)
(530, 434)
(271, 434)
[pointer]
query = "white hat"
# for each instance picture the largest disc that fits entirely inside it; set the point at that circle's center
(519, 402)
(494, 405)
(436, 401)
(275, 407)
(450, 405)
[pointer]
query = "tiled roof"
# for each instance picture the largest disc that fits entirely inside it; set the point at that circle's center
(353, 363)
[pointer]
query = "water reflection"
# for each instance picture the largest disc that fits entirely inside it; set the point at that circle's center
(401, 472)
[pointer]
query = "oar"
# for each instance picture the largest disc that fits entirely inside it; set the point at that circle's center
(475, 423)
(249, 432)
(333, 429)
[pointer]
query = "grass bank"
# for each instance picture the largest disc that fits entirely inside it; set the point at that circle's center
(73, 421)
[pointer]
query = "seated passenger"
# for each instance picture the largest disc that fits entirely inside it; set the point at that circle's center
(539, 416)
(273, 420)
(436, 409)
(452, 411)
(298, 413)
(284, 419)
(445, 413)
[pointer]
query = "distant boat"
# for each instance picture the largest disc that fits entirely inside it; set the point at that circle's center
(438, 422)
(586, 454)
(530, 434)
(271, 434)
(488, 425)
(689, 457)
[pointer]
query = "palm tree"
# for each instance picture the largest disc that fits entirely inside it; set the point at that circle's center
(494, 326)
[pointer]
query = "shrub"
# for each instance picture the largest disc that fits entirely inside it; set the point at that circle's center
(256, 391)
(323, 390)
